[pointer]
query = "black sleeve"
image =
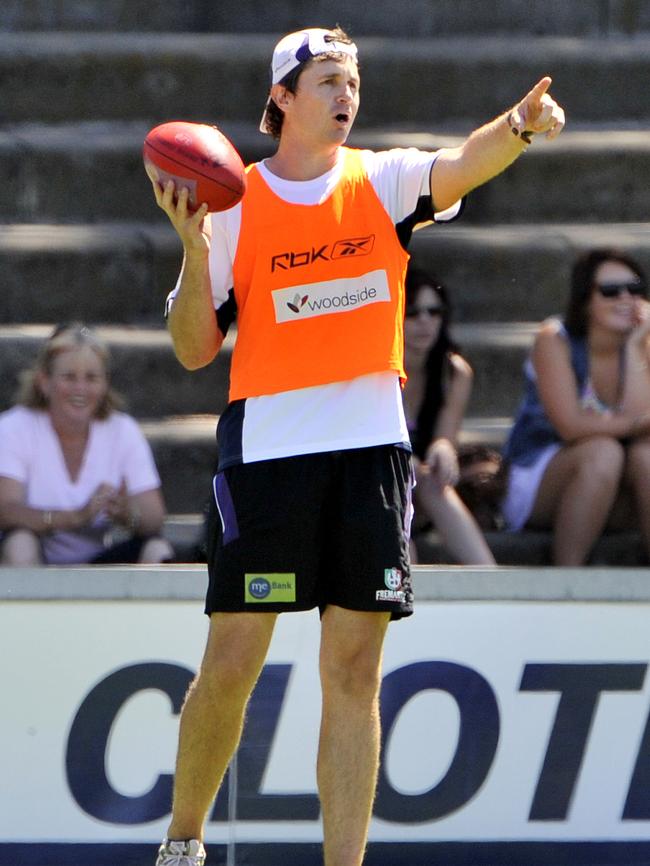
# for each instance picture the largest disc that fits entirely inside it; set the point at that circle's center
(227, 313)
(423, 213)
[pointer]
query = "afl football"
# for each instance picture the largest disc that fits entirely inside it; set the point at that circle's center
(199, 157)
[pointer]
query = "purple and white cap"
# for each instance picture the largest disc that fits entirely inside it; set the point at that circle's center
(294, 48)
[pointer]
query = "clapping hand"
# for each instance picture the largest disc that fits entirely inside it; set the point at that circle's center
(118, 506)
(97, 503)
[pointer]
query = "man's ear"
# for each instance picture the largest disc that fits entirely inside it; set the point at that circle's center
(281, 96)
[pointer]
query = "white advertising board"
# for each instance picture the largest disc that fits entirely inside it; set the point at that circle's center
(502, 721)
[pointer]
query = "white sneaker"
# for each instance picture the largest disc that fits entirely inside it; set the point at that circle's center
(186, 852)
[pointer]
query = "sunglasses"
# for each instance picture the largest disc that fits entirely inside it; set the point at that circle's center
(613, 290)
(412, 312)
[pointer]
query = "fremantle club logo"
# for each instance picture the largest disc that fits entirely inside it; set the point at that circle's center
(393, 582)
(393, 578)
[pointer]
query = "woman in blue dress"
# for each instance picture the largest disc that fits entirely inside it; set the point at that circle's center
(579, 451)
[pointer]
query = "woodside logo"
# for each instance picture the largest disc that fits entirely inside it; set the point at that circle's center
(330, 296)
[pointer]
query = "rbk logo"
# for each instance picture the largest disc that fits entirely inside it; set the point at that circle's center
(353, 247)
(338, 250)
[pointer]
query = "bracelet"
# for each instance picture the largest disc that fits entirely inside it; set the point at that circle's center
(47, 519)
(525, 135)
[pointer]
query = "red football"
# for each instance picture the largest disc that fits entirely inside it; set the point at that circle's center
(199, 157)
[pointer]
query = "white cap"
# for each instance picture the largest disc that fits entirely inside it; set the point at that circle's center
(296, 48)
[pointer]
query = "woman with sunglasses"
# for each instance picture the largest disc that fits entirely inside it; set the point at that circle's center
(579, 450)
(435, 398)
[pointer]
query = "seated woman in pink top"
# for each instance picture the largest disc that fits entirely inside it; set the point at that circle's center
(78, 483)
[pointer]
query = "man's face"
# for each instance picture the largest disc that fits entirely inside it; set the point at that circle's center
(326, 101)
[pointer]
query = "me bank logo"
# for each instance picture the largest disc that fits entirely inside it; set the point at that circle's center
(271, 588)
(330, 296)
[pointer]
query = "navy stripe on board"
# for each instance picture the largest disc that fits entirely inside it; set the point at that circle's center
(379, 854)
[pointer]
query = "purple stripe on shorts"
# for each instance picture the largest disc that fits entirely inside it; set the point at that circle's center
(409, 510)
(226, 508)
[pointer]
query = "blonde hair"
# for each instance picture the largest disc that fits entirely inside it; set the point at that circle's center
(73, 335)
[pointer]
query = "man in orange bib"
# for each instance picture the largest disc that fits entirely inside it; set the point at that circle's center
(311, 502)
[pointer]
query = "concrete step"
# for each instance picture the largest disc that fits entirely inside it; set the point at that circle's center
(55, 76)
(534, 548)
(518, 272)
(106, 273)
(531, 548)
(416, 18)
(144, 370)
(93, 172)
(185, 532)
(117, 273)
(485, 430)
(496, 353)
(185, 451)
(154, 384)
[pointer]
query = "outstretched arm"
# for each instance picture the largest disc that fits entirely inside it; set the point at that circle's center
(191, 321)
(493, 147)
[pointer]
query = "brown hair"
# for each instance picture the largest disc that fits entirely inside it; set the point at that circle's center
(73, 335)
(583, 276)
(274, 116)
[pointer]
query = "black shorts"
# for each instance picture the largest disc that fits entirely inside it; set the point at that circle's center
(302, 532)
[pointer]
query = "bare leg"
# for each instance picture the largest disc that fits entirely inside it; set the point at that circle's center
(348, 756)
(453, 520)
(576, 496)
(21, 547)
(213, 714)
(637, 477)
(156, 550)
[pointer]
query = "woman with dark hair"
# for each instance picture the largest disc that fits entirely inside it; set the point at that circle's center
(435, 398)
(78, 483)
(579, 450)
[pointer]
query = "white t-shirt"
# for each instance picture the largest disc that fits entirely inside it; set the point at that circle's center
(30, 453)
(353, 414)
